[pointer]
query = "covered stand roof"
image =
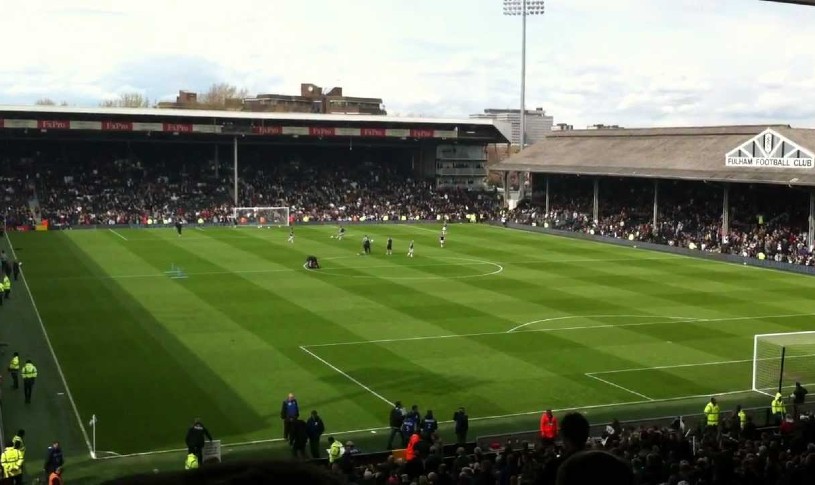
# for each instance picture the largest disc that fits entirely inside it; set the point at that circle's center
(776, 154)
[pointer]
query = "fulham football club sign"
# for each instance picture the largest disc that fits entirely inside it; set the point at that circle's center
(770, 150)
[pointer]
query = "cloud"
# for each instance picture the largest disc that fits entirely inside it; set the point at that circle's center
(636, 63)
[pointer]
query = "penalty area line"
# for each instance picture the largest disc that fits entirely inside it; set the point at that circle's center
(115, 232)
(344, 374)
(589, 374)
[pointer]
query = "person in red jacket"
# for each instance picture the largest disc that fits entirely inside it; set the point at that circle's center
(410, 452)
(548, 428)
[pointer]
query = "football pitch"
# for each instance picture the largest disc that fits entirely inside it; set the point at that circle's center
(151, 329)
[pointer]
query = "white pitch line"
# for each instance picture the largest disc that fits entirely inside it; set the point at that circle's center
(569, 317)
(199, 228)
(51, 349)
(589, 374)
(585, 327)
(114, 232)
(341, 372)
(699, 364)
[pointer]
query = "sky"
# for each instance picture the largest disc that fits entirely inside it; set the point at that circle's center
(628, 62)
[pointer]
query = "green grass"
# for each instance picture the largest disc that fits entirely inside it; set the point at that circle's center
(147, 353)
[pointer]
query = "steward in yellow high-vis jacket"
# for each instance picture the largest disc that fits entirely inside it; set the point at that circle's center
(712, 413)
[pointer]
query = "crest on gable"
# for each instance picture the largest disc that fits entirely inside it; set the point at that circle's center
(770, 149)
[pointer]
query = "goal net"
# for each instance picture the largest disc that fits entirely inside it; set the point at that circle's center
(782, 359)
(261, 216)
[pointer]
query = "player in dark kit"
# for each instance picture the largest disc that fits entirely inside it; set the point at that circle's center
(366, 245)
(389, 248)
(178, 227)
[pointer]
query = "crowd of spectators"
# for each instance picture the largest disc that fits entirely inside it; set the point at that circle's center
(765, 223)
(728, 454)
(130, 191)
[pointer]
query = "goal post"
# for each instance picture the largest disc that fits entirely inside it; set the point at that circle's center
(782, 359)
(261, 216)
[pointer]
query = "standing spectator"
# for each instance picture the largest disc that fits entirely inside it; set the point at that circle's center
(55, 477)
(712, 413)
(314, 429)
(53, 458)
(548, 428)
(799, 397)
(14, 370)
(396, 419)
(195, 439)
(575, 433)
(462, 425)
(289, 412)
(29, 377)
(298, 436)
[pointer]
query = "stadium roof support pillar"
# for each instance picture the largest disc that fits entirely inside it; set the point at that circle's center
(811, 231)
(547, 197)
(217, 160)
(656, 204)
(235, 174)
(726, 210)
(596, 205)
(505, 182)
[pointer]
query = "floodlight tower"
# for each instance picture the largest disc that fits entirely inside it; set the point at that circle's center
(523, 8)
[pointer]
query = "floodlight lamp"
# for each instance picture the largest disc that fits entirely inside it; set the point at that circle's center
(516, 7)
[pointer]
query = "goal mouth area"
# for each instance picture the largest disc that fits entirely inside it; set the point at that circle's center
(780, 360)
(261, 216)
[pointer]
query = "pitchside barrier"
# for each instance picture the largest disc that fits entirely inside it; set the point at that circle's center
(762, 418)
(696, 253)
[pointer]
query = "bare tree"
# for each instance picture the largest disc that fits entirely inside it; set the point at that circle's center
(126, 100)
(219, 94)
(45, 102)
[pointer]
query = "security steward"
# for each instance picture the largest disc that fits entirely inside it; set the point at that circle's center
(14, 370)
(778, 408)
(712, 413)
(18, 442)
(29, 377)
(6, 286)
(191, 463)
(12, 462)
